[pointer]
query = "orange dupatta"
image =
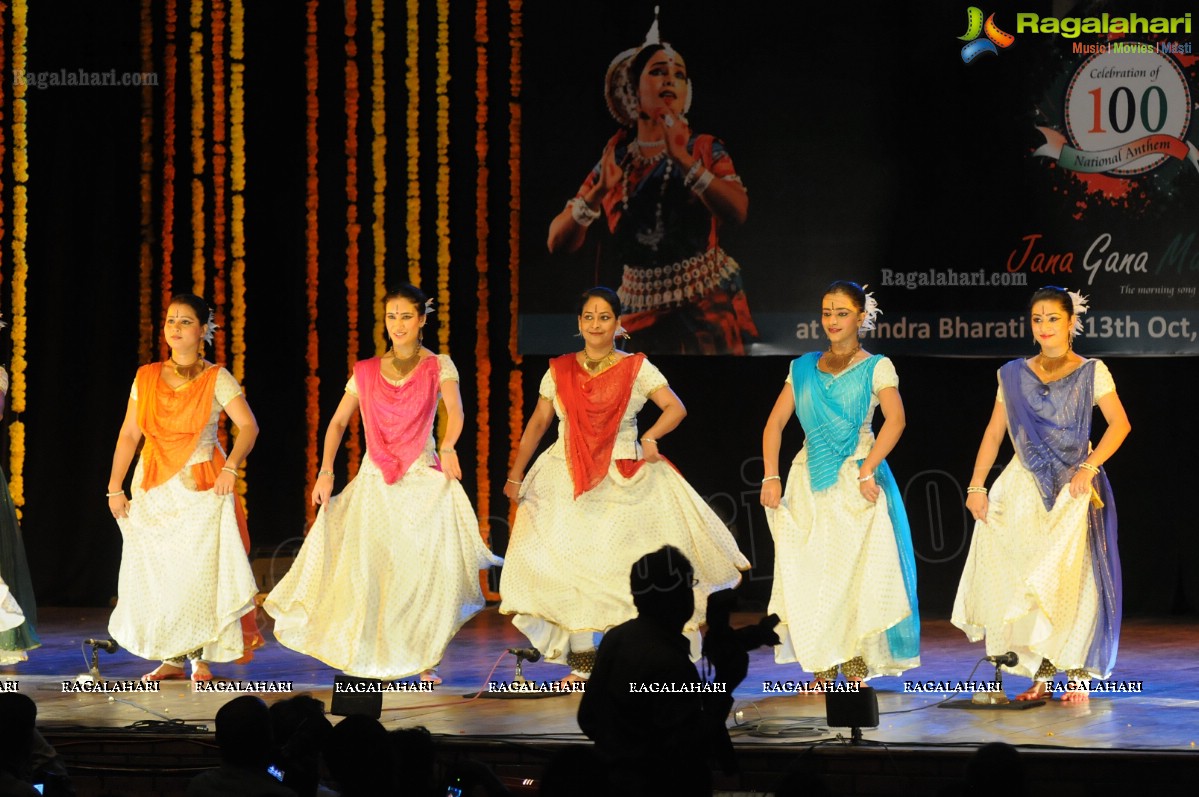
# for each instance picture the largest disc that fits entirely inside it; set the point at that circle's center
(594, 406)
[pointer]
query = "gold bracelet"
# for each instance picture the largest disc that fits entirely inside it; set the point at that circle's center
(772, 479)
(982, 490)
(227, 469)
(1089, 466)
(448, 451)
(645, 440)
(114, 494)
(514, 481)
(328, 473)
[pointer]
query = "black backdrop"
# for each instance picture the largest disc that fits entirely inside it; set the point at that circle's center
(83, 245)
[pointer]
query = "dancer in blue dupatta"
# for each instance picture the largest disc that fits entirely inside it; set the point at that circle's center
(1043, 575)
(844, 572)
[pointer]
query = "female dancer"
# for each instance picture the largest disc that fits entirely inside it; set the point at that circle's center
(1043, 575)
(18, 608)
(595, 501)
(666, 192)
(390, 569)
(844, 573)
(185, 582)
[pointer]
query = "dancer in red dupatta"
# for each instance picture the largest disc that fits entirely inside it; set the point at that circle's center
(597, 499)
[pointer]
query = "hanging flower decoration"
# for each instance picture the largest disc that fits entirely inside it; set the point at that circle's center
(412, 84)
(170, 67)
(515, 386)
(353, 228)
(146, 325)
(443, 174)
(237, 180)
(219, 224)
(20, 266)
(196, 65)
(482, 291)
(378, 168)
(312, 380)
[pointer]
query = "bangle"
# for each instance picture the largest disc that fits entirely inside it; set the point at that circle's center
(581, 213)
(328, 473)
(701, 183)
(1089, 466)
(772, 479)
(448, 451)
(693, 173)
(514, 481)
(114, 494)
(982, 490)
(227, 469)
(867, 477)
(645, 440)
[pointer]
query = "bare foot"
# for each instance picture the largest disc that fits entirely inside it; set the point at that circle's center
(573, 679)
(1037, 691)
(430, 676)
(1079, 694)
(165, 672)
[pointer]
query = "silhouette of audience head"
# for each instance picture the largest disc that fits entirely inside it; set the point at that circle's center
(358, 752)
(244, 733)
(661, 583)
(18, 716)
(995, 769)
(415, 759)
(300, 729)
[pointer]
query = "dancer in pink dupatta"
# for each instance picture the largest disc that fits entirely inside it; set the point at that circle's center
(390, 569)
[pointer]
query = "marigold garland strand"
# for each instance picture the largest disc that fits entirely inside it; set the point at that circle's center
(237, 181)
(515, 386)
(170, 66)
(412, 85)
(312, 380)
(219, 231)
(146, 325)
(482, 290)
(353, 228)
(20, 267)
(196, 65)
(443, 175)
(378, 168)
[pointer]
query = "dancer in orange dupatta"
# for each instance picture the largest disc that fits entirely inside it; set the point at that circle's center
(596, 501)
(185, 583)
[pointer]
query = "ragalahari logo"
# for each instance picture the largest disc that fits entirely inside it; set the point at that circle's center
(995, 39)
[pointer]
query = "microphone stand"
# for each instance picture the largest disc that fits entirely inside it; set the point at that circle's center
(92, 676)
(989, 699)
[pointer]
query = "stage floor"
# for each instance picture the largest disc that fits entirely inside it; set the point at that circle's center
(1159, 653)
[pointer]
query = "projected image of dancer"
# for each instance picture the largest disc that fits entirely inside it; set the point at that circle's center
(664, 192)
(845, 571)
(596, 499)
(185, 582)
(1043, 575)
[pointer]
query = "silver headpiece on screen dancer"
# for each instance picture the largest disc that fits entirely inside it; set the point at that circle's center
(1079, 305)
(872, 311)
(620, 88)
(211, 327)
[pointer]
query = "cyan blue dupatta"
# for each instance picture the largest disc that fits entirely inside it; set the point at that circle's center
(831, 411)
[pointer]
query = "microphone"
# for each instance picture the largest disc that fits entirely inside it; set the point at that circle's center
(1008, 659)
(106, 645)
(528, 654)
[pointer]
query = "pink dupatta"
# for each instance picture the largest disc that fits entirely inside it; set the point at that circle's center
(398, 419)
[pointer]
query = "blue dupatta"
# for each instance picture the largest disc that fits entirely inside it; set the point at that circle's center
(1050, 427)
(831, 410)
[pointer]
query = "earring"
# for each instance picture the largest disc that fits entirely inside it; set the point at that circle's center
(200, 355)
(420, 337)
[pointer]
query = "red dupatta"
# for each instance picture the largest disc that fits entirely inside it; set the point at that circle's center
(594, 406)
(398, 419)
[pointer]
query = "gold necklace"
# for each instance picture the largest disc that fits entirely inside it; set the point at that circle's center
(593, 364)
(404, 365)
(1051, 364)
(184, 372)
(836, 363)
